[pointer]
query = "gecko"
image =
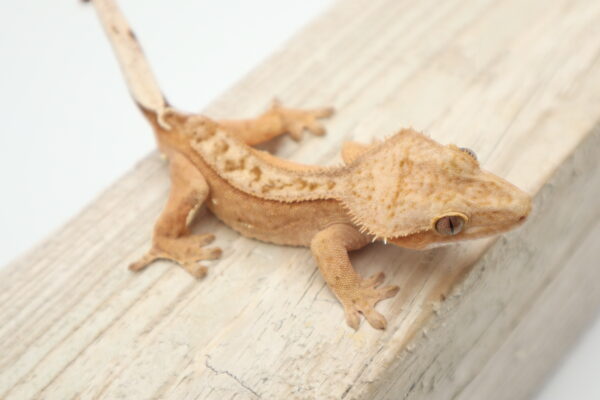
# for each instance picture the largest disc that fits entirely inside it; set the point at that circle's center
(407, 190)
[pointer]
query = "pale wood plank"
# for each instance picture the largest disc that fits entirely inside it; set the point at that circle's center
(554, 320)
(518, 82)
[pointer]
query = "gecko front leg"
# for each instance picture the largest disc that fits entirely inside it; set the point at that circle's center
(357, 295)
(171, 239)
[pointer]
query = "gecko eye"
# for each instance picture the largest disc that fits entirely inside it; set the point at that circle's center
(469, 152)
(450, 224)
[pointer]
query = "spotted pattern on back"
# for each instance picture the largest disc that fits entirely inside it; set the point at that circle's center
(235, 162)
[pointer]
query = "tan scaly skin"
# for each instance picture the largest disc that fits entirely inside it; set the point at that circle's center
(408, 190)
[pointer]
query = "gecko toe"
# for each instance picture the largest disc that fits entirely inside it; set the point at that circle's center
(374, 280)
(144, 261)
(204, 239)
(295, 131)
(196, 270)
(376, 319)
(387, 292)
(316, 128)
(211, 253)
(352, 318)
(324, 112)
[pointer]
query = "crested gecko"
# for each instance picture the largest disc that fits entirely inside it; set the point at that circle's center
(407, 190)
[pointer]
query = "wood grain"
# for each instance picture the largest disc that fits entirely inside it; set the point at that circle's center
(518, 82)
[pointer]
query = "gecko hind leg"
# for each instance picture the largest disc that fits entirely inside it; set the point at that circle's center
(171, 239)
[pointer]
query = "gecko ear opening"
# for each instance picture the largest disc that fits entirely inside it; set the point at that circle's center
(450, 224)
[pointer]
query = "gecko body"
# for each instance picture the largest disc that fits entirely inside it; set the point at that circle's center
(407, 190)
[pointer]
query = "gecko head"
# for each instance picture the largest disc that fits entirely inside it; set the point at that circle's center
(417, 193)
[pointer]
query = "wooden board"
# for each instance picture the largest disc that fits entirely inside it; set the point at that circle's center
(518, 82)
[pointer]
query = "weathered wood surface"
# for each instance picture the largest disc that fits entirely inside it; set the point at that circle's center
(518, 82)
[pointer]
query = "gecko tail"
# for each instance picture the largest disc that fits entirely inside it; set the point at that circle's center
(135, 67)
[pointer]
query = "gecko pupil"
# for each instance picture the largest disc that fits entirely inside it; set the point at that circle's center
(449, 225)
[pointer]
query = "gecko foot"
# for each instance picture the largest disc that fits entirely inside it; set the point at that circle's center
(296, 121)
(186, 251)
(362, 299)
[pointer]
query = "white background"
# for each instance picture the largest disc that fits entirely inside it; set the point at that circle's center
(69, 127)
